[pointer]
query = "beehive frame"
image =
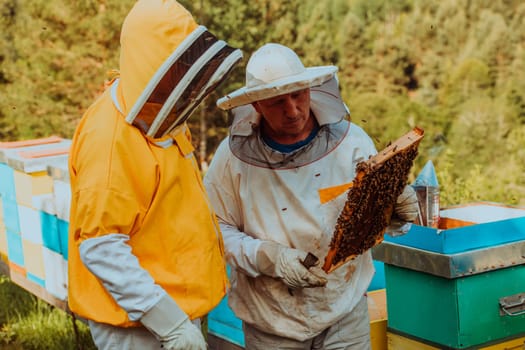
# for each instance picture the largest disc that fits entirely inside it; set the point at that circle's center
(370, 201)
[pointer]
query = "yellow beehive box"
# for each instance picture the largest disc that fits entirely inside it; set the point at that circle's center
(3, 242)
(29, 185)
(29, 161)
(378, 318)
(514, 344)
(400, 342)
(34, 261)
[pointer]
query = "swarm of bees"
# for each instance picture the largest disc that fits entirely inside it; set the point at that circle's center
(370, 202)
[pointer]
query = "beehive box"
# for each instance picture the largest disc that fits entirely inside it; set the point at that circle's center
(10, 215)
(63, 230)
(3, 243)
(29, 166)
(54, 251)
(460, 287)
(23, 173)
(223, 323)
(7, 188)
(62, 198)
(471, 226)
(3, 233)
(15, 252)
(55, 267)
(61, 189)
(34, 262)
(402, 342)
(29, 214)
(377, 311)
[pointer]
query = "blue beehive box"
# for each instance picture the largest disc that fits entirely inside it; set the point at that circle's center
(15, 151)
(10, 215)
(473, 226)
(7, 183)
(15, 252)
(223, 323)
(51, 239)
(63, 233)
(61, 189)
(461, 285)
(28, 162)
(378, 281)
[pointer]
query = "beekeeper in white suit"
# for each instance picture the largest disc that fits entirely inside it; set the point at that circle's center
(146, 258)
(278, 184)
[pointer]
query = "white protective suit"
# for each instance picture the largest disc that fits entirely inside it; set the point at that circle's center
(261, 194)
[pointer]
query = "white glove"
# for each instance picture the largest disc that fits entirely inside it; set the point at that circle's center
(172, 327)
(398, 228)
(407, 207)
(278, 261)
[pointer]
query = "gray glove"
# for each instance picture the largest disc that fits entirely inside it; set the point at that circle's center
(172, 327)
(278, 261)
(405, 211)
(406, 207)
(398, 228)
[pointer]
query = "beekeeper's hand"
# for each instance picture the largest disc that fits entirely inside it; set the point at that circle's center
(278, 261)
(398, 228)
(406, 207)
(172, 327)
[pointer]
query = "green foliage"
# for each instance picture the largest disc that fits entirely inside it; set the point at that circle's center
(54, 58)
(380, 116)
(14, 301)
(470, 78)
(31, 324)
(455, 68)
(455, 190)
(479, 184)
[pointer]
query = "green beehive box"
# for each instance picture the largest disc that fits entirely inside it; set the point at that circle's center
(457, 313)
(462, 285)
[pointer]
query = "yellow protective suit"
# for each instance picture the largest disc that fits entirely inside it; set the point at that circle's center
(124, 183)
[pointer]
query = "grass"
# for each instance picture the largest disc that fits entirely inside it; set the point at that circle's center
(29, 323)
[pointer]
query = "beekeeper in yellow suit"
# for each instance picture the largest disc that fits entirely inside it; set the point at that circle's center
(145, 252)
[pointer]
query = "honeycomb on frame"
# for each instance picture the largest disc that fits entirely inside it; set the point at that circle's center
(371, 199)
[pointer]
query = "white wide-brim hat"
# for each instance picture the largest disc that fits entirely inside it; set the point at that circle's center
(275, 70)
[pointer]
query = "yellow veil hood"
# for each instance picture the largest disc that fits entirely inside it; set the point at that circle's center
(169, 64)
(152, 30)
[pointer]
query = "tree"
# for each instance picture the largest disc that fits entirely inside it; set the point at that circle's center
(55, 55)
(456, 68)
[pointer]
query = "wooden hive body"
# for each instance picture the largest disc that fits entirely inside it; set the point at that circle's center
(370, 202)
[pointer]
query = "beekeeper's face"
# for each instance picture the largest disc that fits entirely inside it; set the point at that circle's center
(286, 118)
